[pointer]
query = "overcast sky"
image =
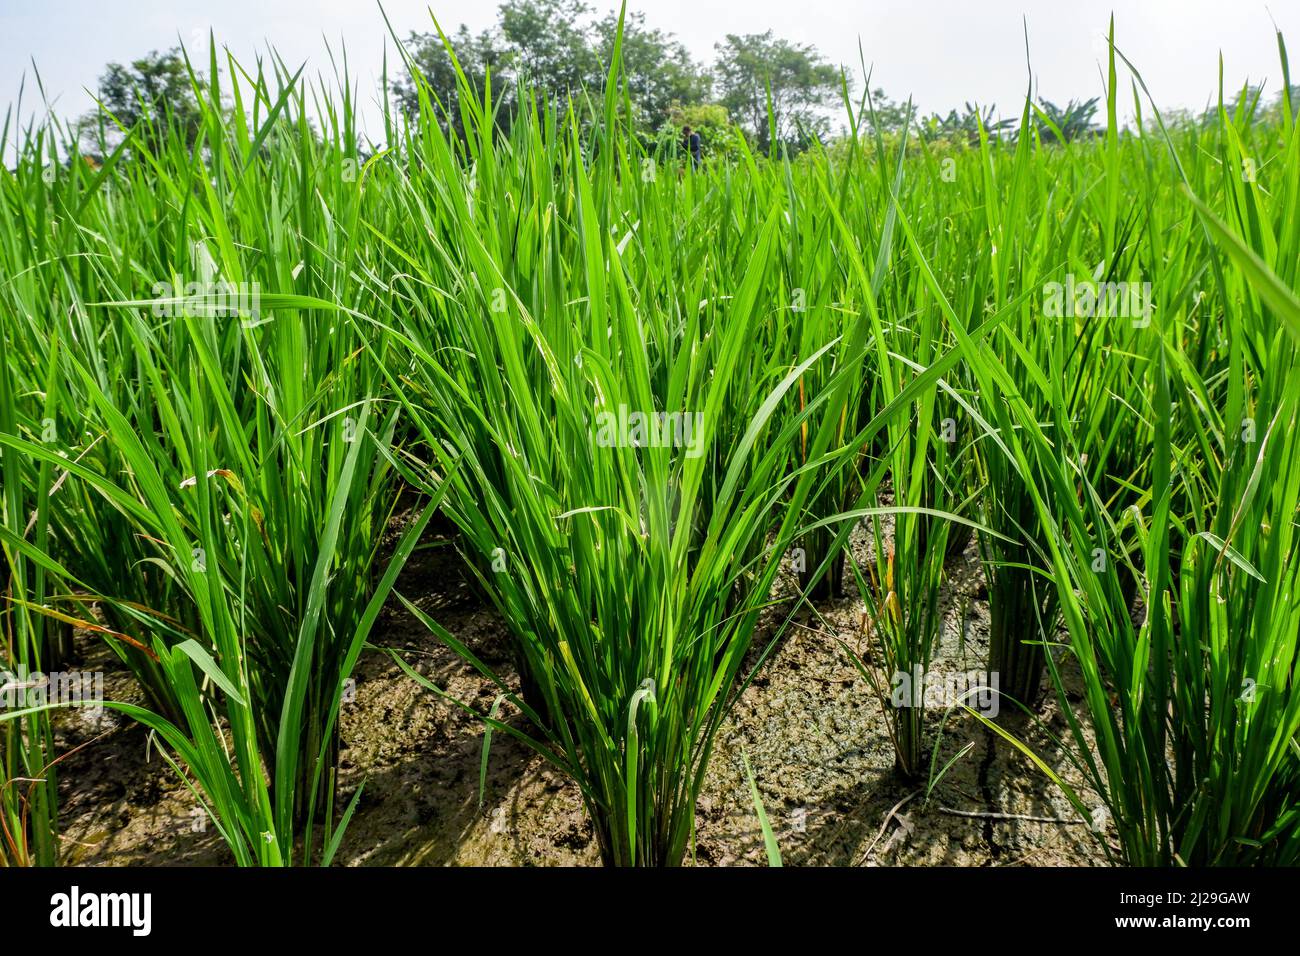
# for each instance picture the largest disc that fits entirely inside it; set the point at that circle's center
(943, 52)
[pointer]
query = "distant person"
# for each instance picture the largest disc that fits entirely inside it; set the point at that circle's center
(691, 144)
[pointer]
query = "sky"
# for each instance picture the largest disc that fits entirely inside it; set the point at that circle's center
(942, 52)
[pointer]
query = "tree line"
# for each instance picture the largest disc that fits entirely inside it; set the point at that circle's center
(774, 92)
(561, 49)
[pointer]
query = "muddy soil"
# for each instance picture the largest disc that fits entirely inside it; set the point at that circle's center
(814, 733)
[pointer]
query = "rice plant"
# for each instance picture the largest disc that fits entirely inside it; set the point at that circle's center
(1190, 701)
(227, 445)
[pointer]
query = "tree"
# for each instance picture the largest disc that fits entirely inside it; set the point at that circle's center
(658, 69)
(561, 51)
(965, 126)
(154, 94)
(477, 55)
(886, 115)
(719, 137)
(542, 41)
(1074, 121)
(802, 85)
(549, 45)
